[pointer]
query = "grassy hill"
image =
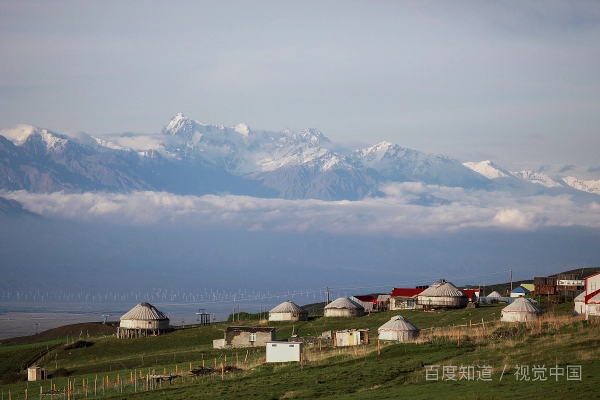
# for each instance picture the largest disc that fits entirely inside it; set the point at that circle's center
(111, 368)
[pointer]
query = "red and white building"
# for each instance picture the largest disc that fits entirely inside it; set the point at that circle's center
(592, 295)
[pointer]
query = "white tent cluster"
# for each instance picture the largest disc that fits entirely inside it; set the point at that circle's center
(521, 310)
(343, 307)
(442, 294)
(288, 311)
(398, 329)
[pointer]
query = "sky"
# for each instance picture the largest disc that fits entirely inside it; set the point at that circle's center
(515, 82)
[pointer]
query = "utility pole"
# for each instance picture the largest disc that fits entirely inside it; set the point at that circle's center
(327, 291)
(511, 288)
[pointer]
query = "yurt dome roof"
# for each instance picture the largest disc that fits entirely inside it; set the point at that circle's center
(522, 305)
(398, 323)
(289, 307)
(144, 312)
(344, 302)
(442, 288)
(494, 294)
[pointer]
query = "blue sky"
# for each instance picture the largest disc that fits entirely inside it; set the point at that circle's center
(509, 81)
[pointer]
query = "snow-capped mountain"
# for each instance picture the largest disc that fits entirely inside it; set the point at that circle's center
(537, 178)
(399, 164)
(189, 157)
(488, 169)
(591, 186)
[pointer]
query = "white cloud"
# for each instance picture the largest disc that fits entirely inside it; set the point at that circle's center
(515, 219)
(392, 215)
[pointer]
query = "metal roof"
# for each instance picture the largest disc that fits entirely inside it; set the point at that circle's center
(289, 307)
(144, 312)
(251, 329)
(397, 324)
(522, 305)
(344, 302)
(521, 289)
(406, 292)
(442, 288)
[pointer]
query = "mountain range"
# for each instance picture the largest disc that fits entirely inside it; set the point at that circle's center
(188, 157)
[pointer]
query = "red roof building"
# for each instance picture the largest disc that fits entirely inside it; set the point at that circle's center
(472, 293)
(406, 292)
(366, 299)
(404, 298)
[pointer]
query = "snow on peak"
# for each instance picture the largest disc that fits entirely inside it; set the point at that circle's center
(22, 133)
(19, 133)
(375, 152)
(312, 136)
(585, 186)
(487, 169)
(176, 124)
(242, 129)
(110, 145)
(537, 177)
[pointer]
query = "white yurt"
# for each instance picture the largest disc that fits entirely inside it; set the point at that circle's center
(579, 304)
(494, 294)
(442, 294)
(398, 329)
(343, 307)
(520, 310)
(288, 311)
(142, 320)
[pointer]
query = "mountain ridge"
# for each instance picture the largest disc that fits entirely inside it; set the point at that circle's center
(189, 157)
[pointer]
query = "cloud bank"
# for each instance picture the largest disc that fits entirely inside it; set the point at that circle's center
(395, 214)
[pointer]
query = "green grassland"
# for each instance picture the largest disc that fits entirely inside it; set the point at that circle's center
(482, 367)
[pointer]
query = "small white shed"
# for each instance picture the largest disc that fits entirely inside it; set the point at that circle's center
(36, 373)
(350, 337)
(284, 352)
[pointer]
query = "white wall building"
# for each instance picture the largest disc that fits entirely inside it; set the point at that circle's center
(579, 308)
(284, 351)
(592, 295)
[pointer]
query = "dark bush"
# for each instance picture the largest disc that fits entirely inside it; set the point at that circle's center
(79, 345)
(60, 373)
(13, 377)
